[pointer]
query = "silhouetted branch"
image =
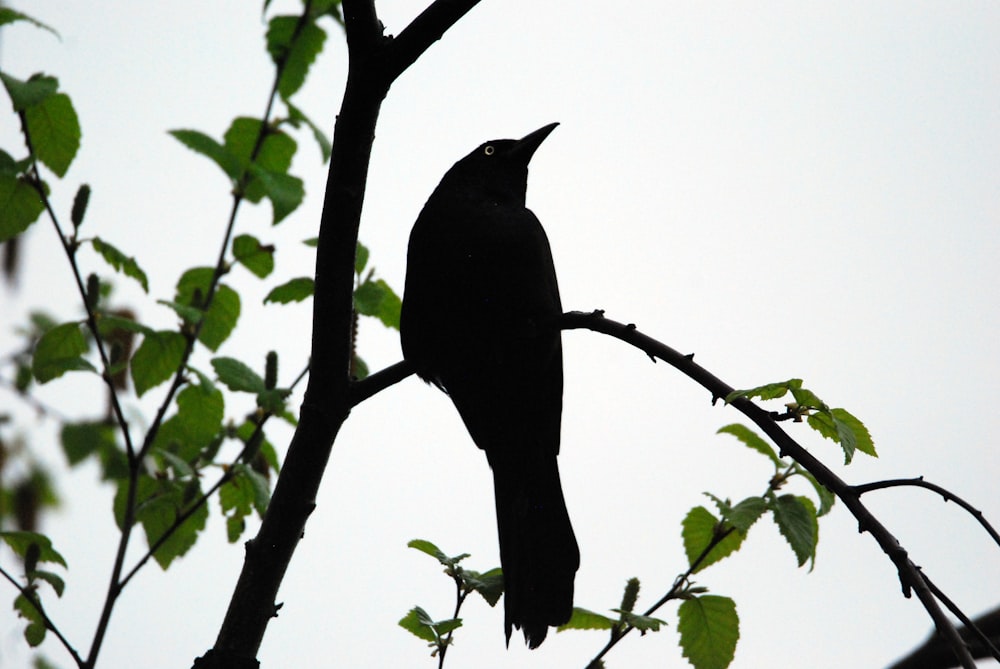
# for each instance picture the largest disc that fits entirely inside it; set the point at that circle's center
(949, 496)
(936, 654)
(911, 579)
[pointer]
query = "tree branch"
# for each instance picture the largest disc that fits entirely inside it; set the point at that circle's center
(911, 579)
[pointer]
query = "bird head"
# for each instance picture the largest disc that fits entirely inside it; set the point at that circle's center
(497, 168)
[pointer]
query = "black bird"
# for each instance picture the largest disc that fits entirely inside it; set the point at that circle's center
(480, 321)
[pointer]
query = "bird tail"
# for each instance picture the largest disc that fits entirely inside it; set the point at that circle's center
(538, 550)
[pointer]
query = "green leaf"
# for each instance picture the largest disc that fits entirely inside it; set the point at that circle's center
(34, 633)
(34, 91)
(20, 542)
(807, 398)
(419, 623)
(8, 15)
(296, 117)
(283, 190)
(489, 584)
(108, 323)
(699, 529)
(156, 359)
(429, 548)
(842, 427)
(583, 619)
(360, 258)
(826, 498)
(237, 376)
(743, 515)
(796, 519)
(81, 440)
(158, 504)
(293, 52)
(768, 391)
(257, 258)
(55, 131)
(120, 262)
(709, 628)
(20, 206)
(642, 623)
(201, 143)
(753, 440)
(221, 316)
(59, 351)
(200, 411)
(376, 298)
(295, 290)
(56, 581)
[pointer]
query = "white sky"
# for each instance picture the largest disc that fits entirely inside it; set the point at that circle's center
(784, 189)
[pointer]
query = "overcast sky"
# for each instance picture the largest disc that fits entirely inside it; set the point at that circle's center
(784, 189)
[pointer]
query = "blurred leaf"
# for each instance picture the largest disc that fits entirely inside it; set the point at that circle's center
(283, 190)
(221, 317)
(360, 258)
(156, 359)
(55, 132)
(297, 117)
(20, 542)
(81, 440)
(59, 351)
(199, 416)
(237, 376)
(34, 633)
(20, 206)
(295, 290)
(120, 262)
(293, 52)
(80, 202)
(34, 91)
(8, 15)
(211, 149)
(709, 628)
(158, 504)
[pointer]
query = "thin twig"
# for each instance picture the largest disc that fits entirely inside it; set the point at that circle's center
(49, 625)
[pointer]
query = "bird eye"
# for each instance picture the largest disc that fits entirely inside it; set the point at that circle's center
(489, 150)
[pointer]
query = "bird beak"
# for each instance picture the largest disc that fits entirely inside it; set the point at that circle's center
(525, 147)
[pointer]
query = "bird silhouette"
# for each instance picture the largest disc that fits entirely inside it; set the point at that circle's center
(480, 321)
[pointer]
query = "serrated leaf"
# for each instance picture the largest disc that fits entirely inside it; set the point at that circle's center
(156, 360)
(21, 541)
(582, 619)
(201, 143)
(55, 131)
(753, 440)
(699, 529)
(295, 290)
(709, 628)
(293, 52)
(107, 323)
(768, 391)
(59, 351)
(20, 206)
(237, 376)
(376, 298)
(807, 398)
(250, 253)
(121, 262)
(796, 520)
(742, 515)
